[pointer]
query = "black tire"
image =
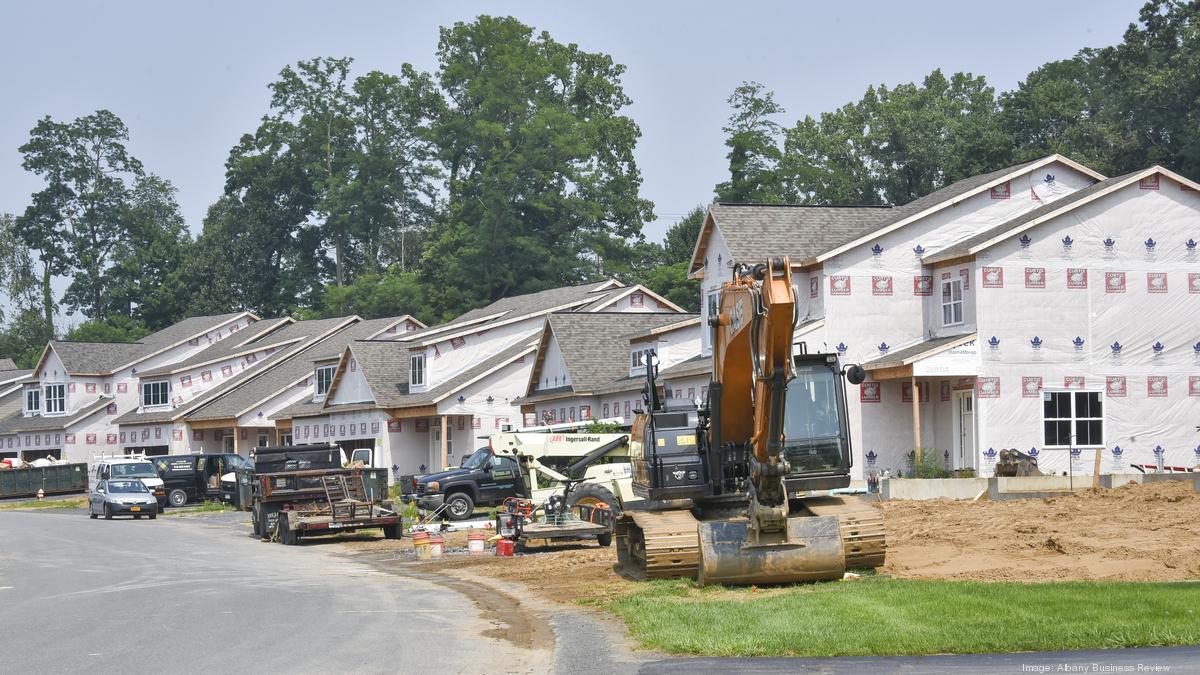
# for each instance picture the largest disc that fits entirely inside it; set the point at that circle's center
(393, 531)
(152, 516)
(605, 540)
(177, 498)
(459, 506)
(257, 529)
(137, 516)
(107, 512)
(92, 515)
(287, 535)
(592, 493)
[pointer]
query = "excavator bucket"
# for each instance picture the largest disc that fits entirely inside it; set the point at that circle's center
(812, 551)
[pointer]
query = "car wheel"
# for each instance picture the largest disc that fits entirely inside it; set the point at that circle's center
(177, 498)
(459, 506)
(107, 512)
(137, 516)
(92, 515)
(152, 516)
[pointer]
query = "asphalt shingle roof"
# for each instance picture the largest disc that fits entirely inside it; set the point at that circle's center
(291, 370)
(17, 423)
(7, 364)
(964, 247)
(106, 357)
(916, 352)
(697, 365)
(239, 342)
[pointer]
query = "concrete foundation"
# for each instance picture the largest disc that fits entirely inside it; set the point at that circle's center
(1023, 487)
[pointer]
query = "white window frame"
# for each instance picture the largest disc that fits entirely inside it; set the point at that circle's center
(317, 393)
(416, 370)
(153, 388)
(637, 360)
(50, 401)
(36, 408)
(952, 304)
(1074, 418)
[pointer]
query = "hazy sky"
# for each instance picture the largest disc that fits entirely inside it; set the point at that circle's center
(190, 78)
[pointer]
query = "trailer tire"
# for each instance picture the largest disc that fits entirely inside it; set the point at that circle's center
(287, 535)
(459, 506)
(256, 528)
(176, 498)
(393, 531)
(605, 540)
(591, 494)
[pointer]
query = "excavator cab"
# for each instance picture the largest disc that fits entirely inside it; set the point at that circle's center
(816, 441)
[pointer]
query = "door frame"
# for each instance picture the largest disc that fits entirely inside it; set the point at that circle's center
(962, 458)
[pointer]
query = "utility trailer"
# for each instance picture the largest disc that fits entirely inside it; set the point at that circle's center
(304, 491)
(520, 520)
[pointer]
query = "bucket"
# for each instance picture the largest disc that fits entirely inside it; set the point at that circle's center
(421, 544)
(504, 547)
(436, 547)
(475, 542)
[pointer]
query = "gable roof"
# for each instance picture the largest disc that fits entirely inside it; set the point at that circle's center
(293, 369)
(251, 339)
(7, 364)
(1029, 219)
(948, 196)
(520, 306)
(755, 232)
(105, 358)
(309, 332)
(594, 347)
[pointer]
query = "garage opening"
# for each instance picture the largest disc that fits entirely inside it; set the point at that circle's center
(149, 450)
(30, 455)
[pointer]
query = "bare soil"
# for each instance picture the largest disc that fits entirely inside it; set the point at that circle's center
(1132, 533)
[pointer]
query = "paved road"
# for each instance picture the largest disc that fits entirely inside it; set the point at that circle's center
(175, 595)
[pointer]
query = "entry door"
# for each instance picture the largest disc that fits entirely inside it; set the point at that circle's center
(965, 443)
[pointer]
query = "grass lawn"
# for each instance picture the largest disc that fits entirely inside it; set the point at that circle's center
(881, 616)
(79, 503)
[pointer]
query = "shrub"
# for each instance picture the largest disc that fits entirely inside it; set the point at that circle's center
(931, 465)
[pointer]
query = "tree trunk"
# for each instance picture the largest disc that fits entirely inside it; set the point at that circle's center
(47, 297)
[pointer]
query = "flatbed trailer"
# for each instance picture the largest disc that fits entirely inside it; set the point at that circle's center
(291, 505)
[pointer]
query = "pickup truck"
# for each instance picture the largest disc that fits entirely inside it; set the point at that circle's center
(483, 479)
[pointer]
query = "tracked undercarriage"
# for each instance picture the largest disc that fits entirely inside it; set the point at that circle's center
(665, 544)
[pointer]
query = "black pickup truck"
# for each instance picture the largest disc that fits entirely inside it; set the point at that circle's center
(483, 480)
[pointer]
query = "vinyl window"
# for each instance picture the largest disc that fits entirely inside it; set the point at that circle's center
(324, 376)
(56, 399)
(33, 401)
(416, 370)
(638, 360)
(952, 302)
(1073, 419)
(156, 393)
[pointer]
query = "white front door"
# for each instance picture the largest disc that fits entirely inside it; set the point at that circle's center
(964, 445)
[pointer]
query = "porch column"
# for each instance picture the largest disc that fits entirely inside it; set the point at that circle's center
(916, 411)
(236, 444)
(445, 442)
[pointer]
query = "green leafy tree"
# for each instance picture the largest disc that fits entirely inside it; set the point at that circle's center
(75, 221)
(115, 328)
(542, 186)
(373, 296)
(148, 282)
(754, 150)
(24, 338)
(664, 268)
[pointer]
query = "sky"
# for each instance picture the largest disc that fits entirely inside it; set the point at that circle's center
(190, 78)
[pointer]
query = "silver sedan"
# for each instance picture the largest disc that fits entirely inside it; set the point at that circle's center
(124, 497)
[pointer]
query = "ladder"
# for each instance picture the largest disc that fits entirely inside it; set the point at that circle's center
(345, 497)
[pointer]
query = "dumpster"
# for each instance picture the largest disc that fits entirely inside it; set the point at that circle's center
(52, 480)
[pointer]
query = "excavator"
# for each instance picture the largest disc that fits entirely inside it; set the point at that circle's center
(723, 482)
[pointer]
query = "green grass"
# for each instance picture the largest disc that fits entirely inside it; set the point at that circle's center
(880, 616)
(78, 503)
(209, 506)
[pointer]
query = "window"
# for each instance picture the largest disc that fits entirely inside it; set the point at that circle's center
(324, 379)
(156, 393)
(638, 359)
(416, 370)
(285, 440)
(33, 398)
(56, 399)
(952, 302)
(1073, 419)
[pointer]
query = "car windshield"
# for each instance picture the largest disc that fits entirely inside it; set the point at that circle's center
(234, 462)
(126, 486)
(477, 459)
(134, 470)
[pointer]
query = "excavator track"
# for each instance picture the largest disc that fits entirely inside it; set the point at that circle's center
(863, 537)
(665, 544)
(658, 544)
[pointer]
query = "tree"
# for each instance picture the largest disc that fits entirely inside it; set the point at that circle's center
(664, 268)
(374, 296)
(74, 222)
(148, 282)
(754, 151)
(115, 328)
(542, 186)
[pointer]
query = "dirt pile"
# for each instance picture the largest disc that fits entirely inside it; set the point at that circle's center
(1136, 532)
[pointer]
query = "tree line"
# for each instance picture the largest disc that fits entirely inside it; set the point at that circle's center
(510, 169)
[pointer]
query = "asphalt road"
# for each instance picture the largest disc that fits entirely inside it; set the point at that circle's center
(198, 594)
(177, 595)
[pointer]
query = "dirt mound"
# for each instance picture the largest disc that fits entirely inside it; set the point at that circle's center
(1135, 532)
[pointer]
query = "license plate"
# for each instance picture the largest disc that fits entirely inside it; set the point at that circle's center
(135, 508)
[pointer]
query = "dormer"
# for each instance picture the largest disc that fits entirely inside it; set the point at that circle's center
(323, 379)
(33, 401)
(156, 395)
(639, 356)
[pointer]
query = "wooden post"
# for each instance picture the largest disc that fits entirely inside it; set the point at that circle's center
(235, 441)
(916, 411)
(445, 442)
(1096, 470)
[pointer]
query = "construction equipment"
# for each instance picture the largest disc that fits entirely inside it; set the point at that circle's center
(1013, 462)
(728, 475)
(559, 517)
